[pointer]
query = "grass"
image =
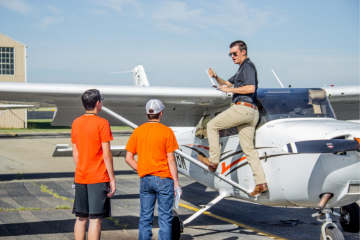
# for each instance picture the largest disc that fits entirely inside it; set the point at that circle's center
(63, 207)
(44, 125)
(117, 222)
(19, 176)
(19, 209)
(51, 192)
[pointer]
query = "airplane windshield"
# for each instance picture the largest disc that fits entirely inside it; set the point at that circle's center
(293, 103)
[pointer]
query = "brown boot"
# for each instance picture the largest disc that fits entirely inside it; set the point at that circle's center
(213, 166)
(259, 189)
(204, 160)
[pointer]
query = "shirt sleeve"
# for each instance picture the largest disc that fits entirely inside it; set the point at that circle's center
(171, 144)
(105, 132)
(232, 79)
(131, 144)
(249, 75)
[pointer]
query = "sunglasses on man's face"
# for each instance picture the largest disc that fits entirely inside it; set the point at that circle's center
(231, 54)
(102, 99)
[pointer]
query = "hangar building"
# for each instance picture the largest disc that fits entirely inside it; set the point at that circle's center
(12, 69)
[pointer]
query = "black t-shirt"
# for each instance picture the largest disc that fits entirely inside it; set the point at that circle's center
(246, 75)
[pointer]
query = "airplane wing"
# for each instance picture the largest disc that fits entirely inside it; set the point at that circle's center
(183, 106)
(345, 101)
(63, 150)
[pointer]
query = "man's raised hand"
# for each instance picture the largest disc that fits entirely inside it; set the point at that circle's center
(212, 73)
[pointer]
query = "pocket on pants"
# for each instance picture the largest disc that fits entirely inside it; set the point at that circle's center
(142, 183)
(243, 110)
(164, 183)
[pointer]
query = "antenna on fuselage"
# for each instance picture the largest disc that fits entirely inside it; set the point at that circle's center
(277, 78)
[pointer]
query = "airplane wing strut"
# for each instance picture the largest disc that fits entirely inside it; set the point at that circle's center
(194, 161)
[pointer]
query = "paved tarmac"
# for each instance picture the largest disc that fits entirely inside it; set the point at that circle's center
(36, 201)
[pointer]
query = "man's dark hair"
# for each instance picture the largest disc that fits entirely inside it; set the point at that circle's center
(153, 116)
(90, 98)
(241, 44)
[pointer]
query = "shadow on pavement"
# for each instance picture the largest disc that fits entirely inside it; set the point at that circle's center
(29, 176)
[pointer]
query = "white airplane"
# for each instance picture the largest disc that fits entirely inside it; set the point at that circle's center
(310, 158)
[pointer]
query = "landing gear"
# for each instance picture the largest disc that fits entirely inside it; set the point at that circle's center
(177, 226)
(329, 230)
(350, 215)
(332, 233)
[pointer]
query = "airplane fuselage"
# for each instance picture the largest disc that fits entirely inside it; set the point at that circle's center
(293, 179)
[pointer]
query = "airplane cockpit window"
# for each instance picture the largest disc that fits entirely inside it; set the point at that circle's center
(201, 131)
(293, 103)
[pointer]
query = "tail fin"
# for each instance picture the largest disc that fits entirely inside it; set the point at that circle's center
(139, 76)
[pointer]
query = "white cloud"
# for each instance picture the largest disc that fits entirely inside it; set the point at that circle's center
(97, 12)
(184, 18)
(232, 15)
(117, 5)
(54, 10)
(44, 22)
(17, 6)
(23, 8)
(53, 15)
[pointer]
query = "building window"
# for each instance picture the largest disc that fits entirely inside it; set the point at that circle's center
(7, 61)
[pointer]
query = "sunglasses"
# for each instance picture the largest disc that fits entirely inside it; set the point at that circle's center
(231, 54)
(102, 99)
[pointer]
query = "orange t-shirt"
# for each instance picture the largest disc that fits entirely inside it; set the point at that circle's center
(151, 142)
(88, 132)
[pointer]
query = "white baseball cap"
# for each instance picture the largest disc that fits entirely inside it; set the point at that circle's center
(155, 105)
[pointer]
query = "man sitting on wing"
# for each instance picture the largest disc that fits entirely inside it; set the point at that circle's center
(242, 113)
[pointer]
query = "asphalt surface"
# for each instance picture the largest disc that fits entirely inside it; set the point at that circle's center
(36, 194)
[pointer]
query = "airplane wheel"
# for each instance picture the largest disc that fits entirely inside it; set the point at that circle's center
(332, 233)
(350, 215)
(176, 226)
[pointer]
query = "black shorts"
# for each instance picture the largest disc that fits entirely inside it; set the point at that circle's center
(91, 200)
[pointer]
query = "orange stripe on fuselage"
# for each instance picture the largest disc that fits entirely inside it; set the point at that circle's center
(225, 168)
(199, 146)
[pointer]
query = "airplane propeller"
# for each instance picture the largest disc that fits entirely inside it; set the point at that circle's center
(323, 146)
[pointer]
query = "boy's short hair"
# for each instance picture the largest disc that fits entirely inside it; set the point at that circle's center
(90, 98)
(153, 116)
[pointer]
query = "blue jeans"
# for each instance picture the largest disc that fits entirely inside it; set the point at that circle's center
(162, 189)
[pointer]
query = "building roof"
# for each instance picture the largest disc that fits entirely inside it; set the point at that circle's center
(12, 39)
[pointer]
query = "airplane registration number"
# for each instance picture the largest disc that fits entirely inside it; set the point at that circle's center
(180, 161)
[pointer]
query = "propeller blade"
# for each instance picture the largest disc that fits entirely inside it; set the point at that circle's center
(322, 146)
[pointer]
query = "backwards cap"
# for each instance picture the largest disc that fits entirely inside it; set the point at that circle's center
(155, 105)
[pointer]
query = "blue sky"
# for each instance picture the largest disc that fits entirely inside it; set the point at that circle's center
(307, 43)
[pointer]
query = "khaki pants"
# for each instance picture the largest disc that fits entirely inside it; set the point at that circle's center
(245, 118)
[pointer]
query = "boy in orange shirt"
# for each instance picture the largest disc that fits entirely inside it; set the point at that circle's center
(94, 174)
(154, 143)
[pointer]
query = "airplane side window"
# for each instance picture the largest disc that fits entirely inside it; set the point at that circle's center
(293, 103)
(201, 131)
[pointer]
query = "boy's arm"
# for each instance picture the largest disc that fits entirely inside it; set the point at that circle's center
(130, 160)
(75, 153)
(108, 159)
(173, 169)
